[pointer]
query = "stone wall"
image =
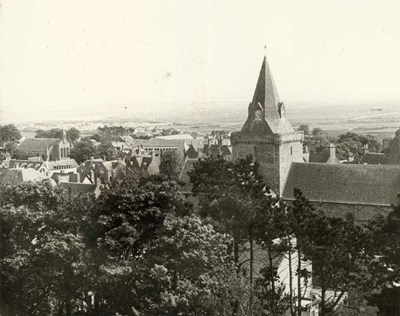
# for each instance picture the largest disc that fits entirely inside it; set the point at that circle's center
(359, 212)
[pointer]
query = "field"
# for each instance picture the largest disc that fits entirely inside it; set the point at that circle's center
(203, 118)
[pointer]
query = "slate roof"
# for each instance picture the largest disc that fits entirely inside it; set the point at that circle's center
(157, 142)
(19, 163)
(16, 176)
(178, 136)
(374, 158)
(52, 165)
(192, 152)
(320, 157)
(38, 144)
(76, 188)
(266, 100)
(345, 183)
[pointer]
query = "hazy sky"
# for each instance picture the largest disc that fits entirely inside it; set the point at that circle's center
(62, 58)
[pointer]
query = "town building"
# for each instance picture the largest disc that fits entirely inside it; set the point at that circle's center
(51, 149)
(106, 171)
(352, 191)
(17, 176)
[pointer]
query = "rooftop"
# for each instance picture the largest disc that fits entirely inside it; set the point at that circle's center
(38, 144)
(345, 183)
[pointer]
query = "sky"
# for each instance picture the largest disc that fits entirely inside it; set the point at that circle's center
(63, 59)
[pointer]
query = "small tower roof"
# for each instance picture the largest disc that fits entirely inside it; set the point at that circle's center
(266, 99)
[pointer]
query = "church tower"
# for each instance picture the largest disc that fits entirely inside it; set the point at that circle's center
(267, 135)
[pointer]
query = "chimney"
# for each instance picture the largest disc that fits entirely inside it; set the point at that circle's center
(332, 154)
(332, 150)
(365, 149)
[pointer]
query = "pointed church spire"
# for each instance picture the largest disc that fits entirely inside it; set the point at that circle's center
(266, 94)
(266, 104)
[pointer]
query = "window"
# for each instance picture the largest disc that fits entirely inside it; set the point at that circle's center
(291, 150)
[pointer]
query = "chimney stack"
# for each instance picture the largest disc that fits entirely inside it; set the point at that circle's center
(332, 154)
(365, 149)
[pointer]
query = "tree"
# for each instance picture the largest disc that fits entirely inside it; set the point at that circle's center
(83, 151)
(355, 144)
(51, 133)
(73, 134)
(41, 250)
(317, 132)
(96, 137)
(9, 133)
(270, 226)
(170, 164)
(304, 128)
(335, 247)
(384, 264)
(229, 193)
(106, 151)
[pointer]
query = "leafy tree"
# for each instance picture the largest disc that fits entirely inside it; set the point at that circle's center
(229, 193)
(51, 133)
(41, 250)
(354, 143)
(110, 133)
(304, 128)
(270, 226)
(170, 164)
(317, 132)
(96, 137)
(83, 151)
(73, 134)
(106, 151)
(384, 266)
(335, 248)
(9, 133)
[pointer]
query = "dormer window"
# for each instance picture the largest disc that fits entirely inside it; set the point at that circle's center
(281, 109)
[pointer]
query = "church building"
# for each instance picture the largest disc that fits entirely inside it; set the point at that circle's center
(48, 149)
(354, 192)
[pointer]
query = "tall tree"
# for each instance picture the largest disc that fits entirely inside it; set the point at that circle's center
(384, 264)
(9, 133)
(170, 164)
(229, 193)
(83, 151)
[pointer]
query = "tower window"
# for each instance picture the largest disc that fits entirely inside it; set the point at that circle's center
(291, 150)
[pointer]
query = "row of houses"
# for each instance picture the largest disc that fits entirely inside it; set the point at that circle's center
(48, 158)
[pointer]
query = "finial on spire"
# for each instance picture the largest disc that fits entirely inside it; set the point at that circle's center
(265, 50)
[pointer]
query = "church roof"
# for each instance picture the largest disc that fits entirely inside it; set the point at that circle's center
(272, 118)
(38, 144)
(344, 183)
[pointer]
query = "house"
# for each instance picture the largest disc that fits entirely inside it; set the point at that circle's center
(353, 191)
(52, 149)
(141, 163)
(106, 171)
(157, 146)
(17, 176)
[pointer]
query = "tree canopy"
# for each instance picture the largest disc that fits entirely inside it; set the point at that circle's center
(9, 133)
